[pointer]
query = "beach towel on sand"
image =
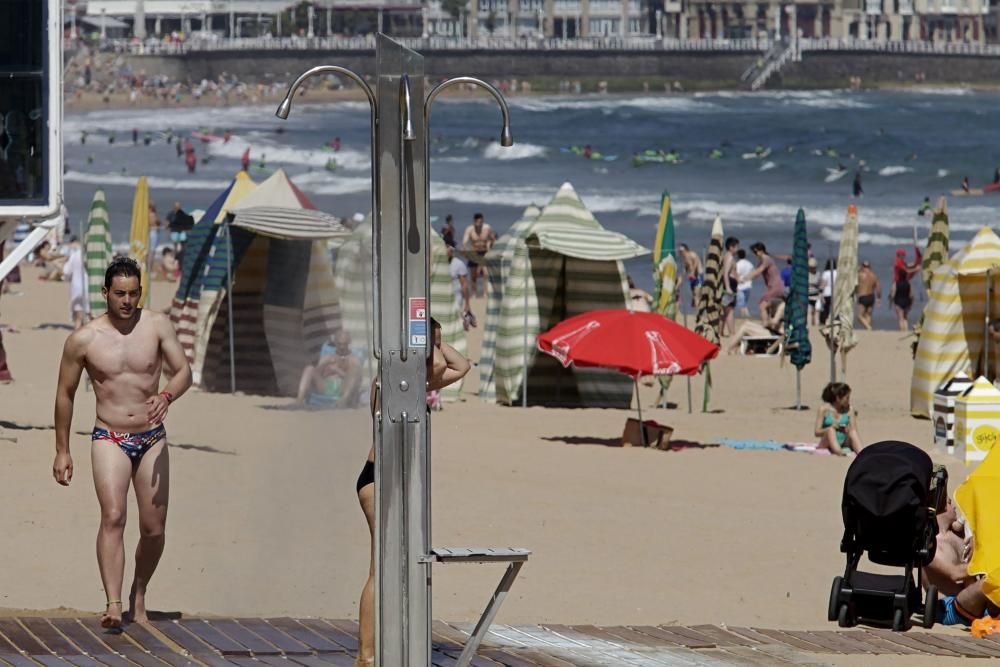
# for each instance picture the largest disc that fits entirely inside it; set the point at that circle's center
(773, 445)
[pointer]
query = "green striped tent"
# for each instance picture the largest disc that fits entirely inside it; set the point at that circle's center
(97, 253)
(353, 280)
(563, 263)
(498, 262)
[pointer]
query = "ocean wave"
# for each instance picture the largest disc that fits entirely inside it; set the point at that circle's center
(346, 158)
(157, 182)
(866, 238)
(660, 103)
(516, 152)
(895, 170)
(158, 120)
(941, 173)
(950, 92)
(768, 166)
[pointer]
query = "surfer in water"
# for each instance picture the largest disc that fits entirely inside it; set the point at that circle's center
(587, 151)
(856, 186)
(965, 184)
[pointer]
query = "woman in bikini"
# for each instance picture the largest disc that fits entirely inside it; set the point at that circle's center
(445, 367)
(836, 422)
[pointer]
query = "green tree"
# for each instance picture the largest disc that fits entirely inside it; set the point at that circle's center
(454, 7)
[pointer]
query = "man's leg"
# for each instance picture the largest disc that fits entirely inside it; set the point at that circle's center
(152, 492)
(308, 374)
(112, 470)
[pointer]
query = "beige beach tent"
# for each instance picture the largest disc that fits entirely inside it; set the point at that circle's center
(953, 337)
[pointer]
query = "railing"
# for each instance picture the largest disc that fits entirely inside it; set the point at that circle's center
(939, 48)
(442, 43)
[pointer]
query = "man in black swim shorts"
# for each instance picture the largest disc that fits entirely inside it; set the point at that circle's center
(869, 294)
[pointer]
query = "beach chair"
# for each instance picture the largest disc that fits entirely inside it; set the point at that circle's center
(657, 435)
(762, 346)
(515, 559)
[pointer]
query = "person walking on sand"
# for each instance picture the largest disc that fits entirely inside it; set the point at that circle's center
(479, 237)
(446, 366)
(901, 292)
(869, 294)
(693, 270)
(774, 288)
(730, 283)
(123, 352)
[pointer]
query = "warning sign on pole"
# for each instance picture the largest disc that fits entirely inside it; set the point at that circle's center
(418, 321)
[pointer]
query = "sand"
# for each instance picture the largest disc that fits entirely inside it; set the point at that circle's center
(264, 519)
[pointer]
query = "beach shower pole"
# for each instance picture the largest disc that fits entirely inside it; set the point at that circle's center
(401, 425)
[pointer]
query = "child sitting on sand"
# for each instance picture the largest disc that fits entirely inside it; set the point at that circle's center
(836, 422)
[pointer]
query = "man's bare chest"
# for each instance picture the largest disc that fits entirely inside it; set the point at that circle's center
(111, 356)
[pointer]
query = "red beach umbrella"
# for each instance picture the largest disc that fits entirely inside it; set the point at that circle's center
(631, 342)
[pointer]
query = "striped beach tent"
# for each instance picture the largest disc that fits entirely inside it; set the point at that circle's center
(564, 263)
(203, 274)
(498, 263)
(840, 329)
(97, 253)
(353, 279)
(953, 335)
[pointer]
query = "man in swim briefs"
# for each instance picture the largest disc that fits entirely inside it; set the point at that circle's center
(869, 294)
(123, 352)
(479, 237)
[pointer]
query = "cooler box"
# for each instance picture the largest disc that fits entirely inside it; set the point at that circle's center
(977, 421)
(943, 416)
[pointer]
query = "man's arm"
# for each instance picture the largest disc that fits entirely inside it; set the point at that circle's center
(174, 355)
(70, 370)
(456, 368)
(727, 269)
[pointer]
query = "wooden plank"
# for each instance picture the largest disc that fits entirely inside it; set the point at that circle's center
(556, 636)
(722, 636)
(245, 661)
(86, 642)
(748, 655)
(202, 652)
(631, 636)
(669, 637)
(910, 642)
(330, 633)
(324, 660)
(273, 636)
(508, 659)
(877, 642)
(304, 635)
(780, 637)
(152, 644)
(20, 638)
(822, 642)
(49, 636)
(969, 649)
(597, 633)
(722, 656)
(351, 629)
(750, 634)
(49, 660)
(119, 643)
(704, 642)
(542, 659)
(242, 636)
(790, 655)
(17, 660)
(218, 641)
(81, 660)
(844, 643)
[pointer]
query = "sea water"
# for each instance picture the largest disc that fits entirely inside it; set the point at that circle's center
(907, 145)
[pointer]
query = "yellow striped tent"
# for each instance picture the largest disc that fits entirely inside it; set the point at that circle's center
(564, 263)
(953, 333)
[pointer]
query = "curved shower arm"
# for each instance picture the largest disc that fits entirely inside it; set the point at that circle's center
(505, 136)
(282, 112)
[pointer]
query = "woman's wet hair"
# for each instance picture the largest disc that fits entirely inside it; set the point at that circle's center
(835, 391)
(122, 266)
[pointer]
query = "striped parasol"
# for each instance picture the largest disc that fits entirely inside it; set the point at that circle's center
(797, 304)
(664, 248)
(97, 253)
(138, 242)
(841, 329)
(937, 242)
(709, 316)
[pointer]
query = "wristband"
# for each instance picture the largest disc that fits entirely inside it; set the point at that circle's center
(167, 395)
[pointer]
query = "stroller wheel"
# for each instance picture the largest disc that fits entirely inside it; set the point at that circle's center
(899, 621)
(844, 619)
(831, 613)
(930, 607)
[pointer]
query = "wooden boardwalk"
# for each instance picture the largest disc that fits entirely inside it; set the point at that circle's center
(286, 642)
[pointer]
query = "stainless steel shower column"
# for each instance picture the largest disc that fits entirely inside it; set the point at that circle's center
(402, 497)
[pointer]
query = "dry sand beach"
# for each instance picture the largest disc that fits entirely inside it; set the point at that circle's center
(264, 519)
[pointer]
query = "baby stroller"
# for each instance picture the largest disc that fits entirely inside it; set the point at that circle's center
(890, 495)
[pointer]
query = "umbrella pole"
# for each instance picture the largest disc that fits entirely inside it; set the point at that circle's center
(229, 302)
(680, 304)
(987, 366)
(638, 404)
(798, 388)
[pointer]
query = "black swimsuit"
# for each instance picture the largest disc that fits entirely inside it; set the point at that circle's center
(903, 299)
(367, 475)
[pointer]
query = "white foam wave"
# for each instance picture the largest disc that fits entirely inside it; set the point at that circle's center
(516, 152)
(950, 92)
(160, 119)
(894, 170)
(941, 173)
(768, 166)
(154, 181)
(866, 238)
(660, 103)
(346, 158)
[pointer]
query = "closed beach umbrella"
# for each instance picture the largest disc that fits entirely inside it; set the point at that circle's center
(937, 242)
(664, 253)
(841, 336)
(797, 304)
(138, 241)
(710, 298)
(97, 253)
